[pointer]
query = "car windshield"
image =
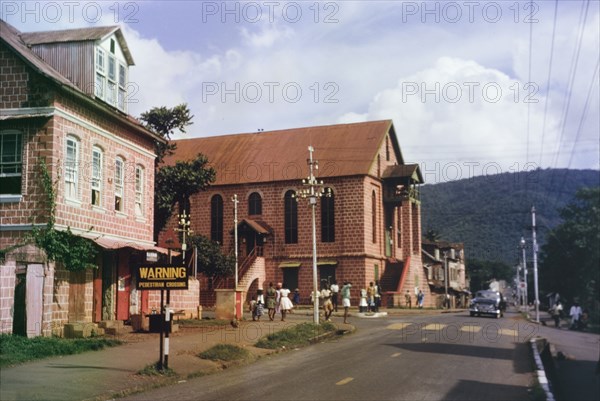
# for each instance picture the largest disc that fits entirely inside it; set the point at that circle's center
(487, 294)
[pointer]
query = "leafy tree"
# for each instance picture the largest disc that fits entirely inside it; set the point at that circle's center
(571, 256)
(481, 272)
(176, 184)
(211, 261)
(165, 121)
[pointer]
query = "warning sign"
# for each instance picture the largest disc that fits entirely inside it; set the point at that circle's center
(162, 278)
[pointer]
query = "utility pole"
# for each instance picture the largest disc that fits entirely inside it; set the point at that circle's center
(184, 223)
(535, 267)
(525, 295)
(235, 234)
(313, 190)
(446, 303)
(235, 252)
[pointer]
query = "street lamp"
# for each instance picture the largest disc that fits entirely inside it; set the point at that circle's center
(313, 189)
(235, 235)
(525, 295)
(184, 223)
(446, 303)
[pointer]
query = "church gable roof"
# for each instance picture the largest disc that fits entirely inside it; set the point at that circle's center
(342, 150)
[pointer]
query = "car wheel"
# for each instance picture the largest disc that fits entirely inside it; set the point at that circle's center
(471, 314)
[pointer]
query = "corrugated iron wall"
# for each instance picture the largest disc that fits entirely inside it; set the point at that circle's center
(74, 60)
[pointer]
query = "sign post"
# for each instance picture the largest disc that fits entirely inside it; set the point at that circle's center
(163, 277)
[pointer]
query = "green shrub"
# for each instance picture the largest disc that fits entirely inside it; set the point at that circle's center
(18, 349)
(225, 352)
(296, 336)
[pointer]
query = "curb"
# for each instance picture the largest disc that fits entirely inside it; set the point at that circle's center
(540, 370)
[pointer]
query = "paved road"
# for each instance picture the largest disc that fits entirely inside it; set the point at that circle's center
(449, 357)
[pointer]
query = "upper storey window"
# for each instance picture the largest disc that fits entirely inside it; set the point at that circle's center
(11, 163)
(111, 77)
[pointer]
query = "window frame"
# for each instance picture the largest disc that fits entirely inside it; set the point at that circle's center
(119, 185)
(328, 216)
(216, 218)
(254, 204)
(139, 190)
(71, 167)
(17, 163)
(290, 207)
(374, 215)
(96, 176)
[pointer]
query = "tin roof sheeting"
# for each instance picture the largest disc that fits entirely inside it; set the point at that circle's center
(342, 150)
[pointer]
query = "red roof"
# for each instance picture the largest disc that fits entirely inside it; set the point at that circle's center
(342, 150)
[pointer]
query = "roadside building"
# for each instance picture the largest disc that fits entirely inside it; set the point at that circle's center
(64, 97)
(445, 267)
(368, 229)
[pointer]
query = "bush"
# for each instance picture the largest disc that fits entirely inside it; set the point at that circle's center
(225, 352)
(296, 336)
(17, 349)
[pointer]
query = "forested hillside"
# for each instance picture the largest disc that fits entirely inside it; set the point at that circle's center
(489, 214)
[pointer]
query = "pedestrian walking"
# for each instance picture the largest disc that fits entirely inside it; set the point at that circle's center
(575, 314)
(557, 311)
(327, 304)
(420, 299)
(371, 297)
(260, 304)
(377, 296)
(278, 298)
(362, 303)
(296, 297)
(408, 300)
(346, 299)
(335, 289)
(285, 304)
(252, 307)
(270, 302)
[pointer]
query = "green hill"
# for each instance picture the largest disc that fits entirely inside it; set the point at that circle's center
(489, 214)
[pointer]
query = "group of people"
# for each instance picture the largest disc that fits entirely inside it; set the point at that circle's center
(578, 316)
(370, 298)
(276, 300)
(420, 299)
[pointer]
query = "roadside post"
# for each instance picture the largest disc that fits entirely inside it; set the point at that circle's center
(163, 277)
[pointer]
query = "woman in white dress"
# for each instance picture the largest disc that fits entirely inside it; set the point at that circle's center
(285, 303)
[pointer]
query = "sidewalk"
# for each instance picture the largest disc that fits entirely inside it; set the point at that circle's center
(102, 375)
(576, 356)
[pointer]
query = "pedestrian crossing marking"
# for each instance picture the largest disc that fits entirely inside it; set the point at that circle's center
(396, 354)
(398, 326)
(344, 381)
(435, 326)
(508, 333)
(471, 329)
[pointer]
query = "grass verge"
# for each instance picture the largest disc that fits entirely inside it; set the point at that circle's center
(188, 323)
(296, 336)
(16, 349)
(225, 352)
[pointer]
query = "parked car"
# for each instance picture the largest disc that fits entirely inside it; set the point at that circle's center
(487, 302)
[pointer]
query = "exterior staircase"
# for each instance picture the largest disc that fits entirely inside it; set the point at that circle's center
(251, 268)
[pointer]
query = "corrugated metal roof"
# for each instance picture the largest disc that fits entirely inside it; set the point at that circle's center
(78, 35)
(12, 37)
(403, 171)
(342, 150)
(68, 35)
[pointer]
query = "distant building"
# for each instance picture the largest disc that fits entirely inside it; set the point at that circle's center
(368, 229)
(437, 256)
(64, 101)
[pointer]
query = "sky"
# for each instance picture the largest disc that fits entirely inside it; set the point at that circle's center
(472, 87)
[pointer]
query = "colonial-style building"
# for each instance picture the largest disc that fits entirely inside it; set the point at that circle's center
(63, 102)
(444, 264)
(368, 229)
